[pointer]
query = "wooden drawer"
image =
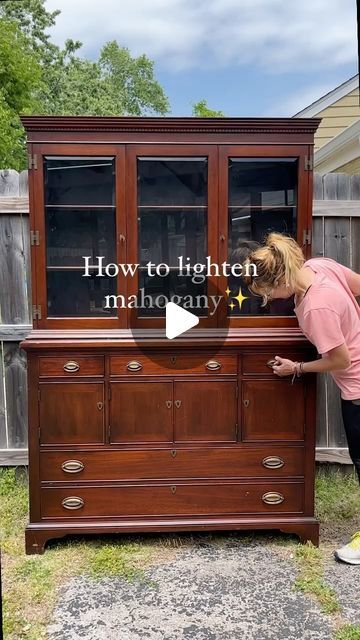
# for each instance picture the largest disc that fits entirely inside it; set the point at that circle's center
(257, 362)
(170, 364)
(71, 366)
(194, 462)
(208, 498)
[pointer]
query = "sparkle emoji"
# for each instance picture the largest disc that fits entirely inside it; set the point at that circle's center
(240, 298)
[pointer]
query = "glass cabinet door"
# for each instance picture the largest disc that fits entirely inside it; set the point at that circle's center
(79, 222)
(175, 215)
(262, 195)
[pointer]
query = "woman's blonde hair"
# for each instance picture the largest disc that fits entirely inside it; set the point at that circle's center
(280, 259)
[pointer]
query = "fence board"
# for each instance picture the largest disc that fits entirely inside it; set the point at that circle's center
(16, 394)
(3, 438)
(14, 298)
(9, 182)
(337, 239)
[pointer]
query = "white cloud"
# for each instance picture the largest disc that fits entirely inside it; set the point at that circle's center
(277, 35)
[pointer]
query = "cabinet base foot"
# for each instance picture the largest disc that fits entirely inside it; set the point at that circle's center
(37, 534)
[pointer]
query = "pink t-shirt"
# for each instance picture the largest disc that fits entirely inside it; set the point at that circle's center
(329, 315)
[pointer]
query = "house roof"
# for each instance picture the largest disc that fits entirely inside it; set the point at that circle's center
(349, 136)
(329, 98)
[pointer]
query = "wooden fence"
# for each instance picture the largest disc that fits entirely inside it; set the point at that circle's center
(336, 234)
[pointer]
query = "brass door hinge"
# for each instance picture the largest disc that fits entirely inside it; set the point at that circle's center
(308, 163)
(307, 236)
(34, 238)
(32, 161)
(36, 312)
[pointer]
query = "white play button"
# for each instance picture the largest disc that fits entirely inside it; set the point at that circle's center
(178, 320)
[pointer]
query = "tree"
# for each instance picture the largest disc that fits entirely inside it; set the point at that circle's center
(48, 79)
(19, 75)
(201, 110)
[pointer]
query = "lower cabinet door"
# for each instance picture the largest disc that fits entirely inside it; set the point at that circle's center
(205, 410)
(273, 410)
(71, 412)
(141, 412)
(185, 499)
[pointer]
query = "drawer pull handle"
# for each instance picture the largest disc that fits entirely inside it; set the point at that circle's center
(273, 497)
(273, 462)
(73, 502)
(271, 363)
(72, 466)
(169, 404)
(100, 405)
(213, 365)
(173, 489)
(178, 404)
(133, 365)
(173, 452)
(246, 403)
(71, 366)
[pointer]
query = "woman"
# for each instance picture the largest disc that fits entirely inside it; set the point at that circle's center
(329, 316)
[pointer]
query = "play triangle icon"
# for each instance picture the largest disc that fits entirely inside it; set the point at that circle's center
(178, 320)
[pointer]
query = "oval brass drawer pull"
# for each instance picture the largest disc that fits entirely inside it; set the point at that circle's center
(273, 462)
(178, 403)
(73, 502)
(213, 365)
(273, 497)
(133, 365)
(72, 466)
(71, 366)
(271, 363)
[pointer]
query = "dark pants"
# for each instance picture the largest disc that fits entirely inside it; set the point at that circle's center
(351, 417)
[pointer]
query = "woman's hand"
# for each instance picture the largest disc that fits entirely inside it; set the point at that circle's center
(283, 367)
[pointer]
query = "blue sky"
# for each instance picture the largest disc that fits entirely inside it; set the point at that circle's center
(245, 57)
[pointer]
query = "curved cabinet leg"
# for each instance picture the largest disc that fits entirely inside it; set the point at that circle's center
(35, 540)
(306, 532)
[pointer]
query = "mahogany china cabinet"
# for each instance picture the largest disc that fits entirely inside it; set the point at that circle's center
(130, 431)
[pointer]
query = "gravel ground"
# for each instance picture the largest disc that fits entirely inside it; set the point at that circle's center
(233, 590)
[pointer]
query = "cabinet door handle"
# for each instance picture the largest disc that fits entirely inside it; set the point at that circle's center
(173, 489)
(273, 497)
(133, 365)
(73, 502)
(169, 404)
(213, 365)
(271, 363)
(100, 405)
(121, 238)
(246, 403)
(72, 466)
(178, 403)
(273, 462)
(71, 366)
(222, 237)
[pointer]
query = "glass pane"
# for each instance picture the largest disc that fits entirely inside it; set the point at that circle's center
(172, 222)
(72, 180)
(156, 291)
(165, 235)
(172, 181)
(72, 234)
(69, 293)
(262, 198)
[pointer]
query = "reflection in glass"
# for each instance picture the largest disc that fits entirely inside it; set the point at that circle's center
(172, 222)
(69, 293)
(262, 198)
(162, 289)
(164, 235)
(72, 234)
(79, 180)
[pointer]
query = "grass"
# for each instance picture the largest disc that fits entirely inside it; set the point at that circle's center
(31, 583)
(310, 579)
(348, 632)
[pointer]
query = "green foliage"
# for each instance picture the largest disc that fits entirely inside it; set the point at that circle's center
(348, 632)
(37, 76)
(337, 495)
(201, 110)
(310, 579)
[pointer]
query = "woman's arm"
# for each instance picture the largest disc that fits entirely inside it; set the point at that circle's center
(353, 280)
(335, 359)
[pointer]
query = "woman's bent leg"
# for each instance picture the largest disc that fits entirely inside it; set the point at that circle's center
(351, 418)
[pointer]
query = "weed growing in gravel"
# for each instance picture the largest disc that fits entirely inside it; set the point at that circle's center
(348, 632)
(310, 579)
